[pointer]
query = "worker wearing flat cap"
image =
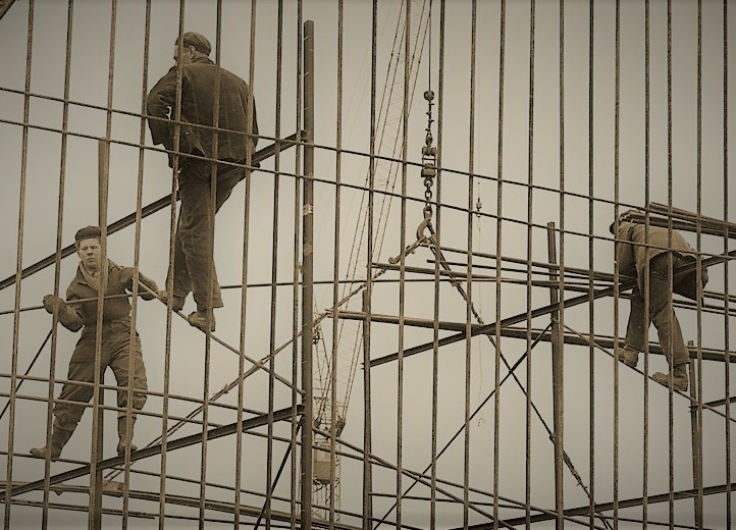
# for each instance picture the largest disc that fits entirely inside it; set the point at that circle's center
(121, 346)
(227, 135)
(659, 253)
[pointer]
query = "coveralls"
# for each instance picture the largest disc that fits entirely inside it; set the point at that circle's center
(203, 84)
(638, 255)
(116, 344)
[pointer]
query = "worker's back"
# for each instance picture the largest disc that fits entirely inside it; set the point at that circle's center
(203, 85)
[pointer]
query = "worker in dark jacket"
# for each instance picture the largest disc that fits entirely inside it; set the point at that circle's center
(225, 136)
(641, 252)
(117, 347)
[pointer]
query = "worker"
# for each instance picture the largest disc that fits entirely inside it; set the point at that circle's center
(121, 345)
(212, 137)
(658, 253)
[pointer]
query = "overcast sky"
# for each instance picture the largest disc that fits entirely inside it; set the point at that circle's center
(693, 178)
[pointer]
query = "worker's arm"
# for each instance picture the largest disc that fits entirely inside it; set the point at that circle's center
(159, 106)
(147, 287)
(625, 251)
(254, 129)
(68, 317)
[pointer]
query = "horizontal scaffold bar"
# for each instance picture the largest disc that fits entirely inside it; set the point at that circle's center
(179, 443)
(609, 506)
(487, 329)
(117, 489)
(163, 202)
(515, 332)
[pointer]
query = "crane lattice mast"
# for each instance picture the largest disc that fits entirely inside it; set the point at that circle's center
(414, 28)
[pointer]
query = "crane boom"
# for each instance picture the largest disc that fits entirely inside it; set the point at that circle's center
(385, 173)
(4, 6)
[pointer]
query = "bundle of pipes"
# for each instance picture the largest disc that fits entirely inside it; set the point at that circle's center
(684, 220)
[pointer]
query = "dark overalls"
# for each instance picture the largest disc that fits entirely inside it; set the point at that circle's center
(121, 346)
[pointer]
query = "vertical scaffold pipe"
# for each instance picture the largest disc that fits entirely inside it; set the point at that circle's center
(697, 446)
(557, 395)
(95, 515)
(308, 276)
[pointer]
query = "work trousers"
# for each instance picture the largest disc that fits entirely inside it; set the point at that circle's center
(116, 353)
(193, 245)
(661, 312)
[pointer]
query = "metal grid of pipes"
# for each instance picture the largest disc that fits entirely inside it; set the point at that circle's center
(427, 314)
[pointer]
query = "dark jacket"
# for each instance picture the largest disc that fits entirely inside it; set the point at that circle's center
(119, 279)
(634, 250)
(198, 92)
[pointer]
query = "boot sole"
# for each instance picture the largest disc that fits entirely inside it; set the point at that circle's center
(36, 453)
(675, 385)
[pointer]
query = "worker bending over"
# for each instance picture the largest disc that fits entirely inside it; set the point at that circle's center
(658, 253)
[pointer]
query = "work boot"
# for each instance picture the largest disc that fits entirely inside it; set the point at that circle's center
(679, 378)
(199, 319)
(126, 435)
(628, 356)
(59, 438)
(177, 302)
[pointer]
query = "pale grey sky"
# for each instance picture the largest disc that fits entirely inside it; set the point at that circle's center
(88, 85)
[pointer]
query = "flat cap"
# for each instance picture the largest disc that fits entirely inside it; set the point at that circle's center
(88, 232)
(200, 42)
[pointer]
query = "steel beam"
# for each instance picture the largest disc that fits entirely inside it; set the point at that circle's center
(141, 454)
(557, 382)
(514, 332)
(540, 311)
(307, 339)
(4, 6)
(608, 506)
(163, 202)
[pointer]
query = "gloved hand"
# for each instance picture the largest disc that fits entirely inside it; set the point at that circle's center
(50, 302)
(152, 291)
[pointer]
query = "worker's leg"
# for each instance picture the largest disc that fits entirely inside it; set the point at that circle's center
(67, 415)
(182, 283)
(670, 338)
(663, 312)
(227, 179)
(129, 369)
(81, 368)
(190, 187)
(638, 326)
(665, 320)
(196, 219)
(127, 365)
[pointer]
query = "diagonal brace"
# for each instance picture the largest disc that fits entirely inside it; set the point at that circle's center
(179, 443)
(628, 283)
(128, 220)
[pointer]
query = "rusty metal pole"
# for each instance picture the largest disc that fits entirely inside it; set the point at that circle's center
(307, 344)
(697, 445)
(95, 491)
(557, 390)
(367, 412)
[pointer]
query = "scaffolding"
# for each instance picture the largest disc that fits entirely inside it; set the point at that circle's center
(482, 218)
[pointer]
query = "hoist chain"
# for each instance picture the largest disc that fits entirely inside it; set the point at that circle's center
(429, 158)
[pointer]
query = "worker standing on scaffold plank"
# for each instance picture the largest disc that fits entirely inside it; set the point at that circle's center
(213, 137)
(640, 252)
(116, 348)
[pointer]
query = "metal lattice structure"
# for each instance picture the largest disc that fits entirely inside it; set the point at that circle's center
(422, 310)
